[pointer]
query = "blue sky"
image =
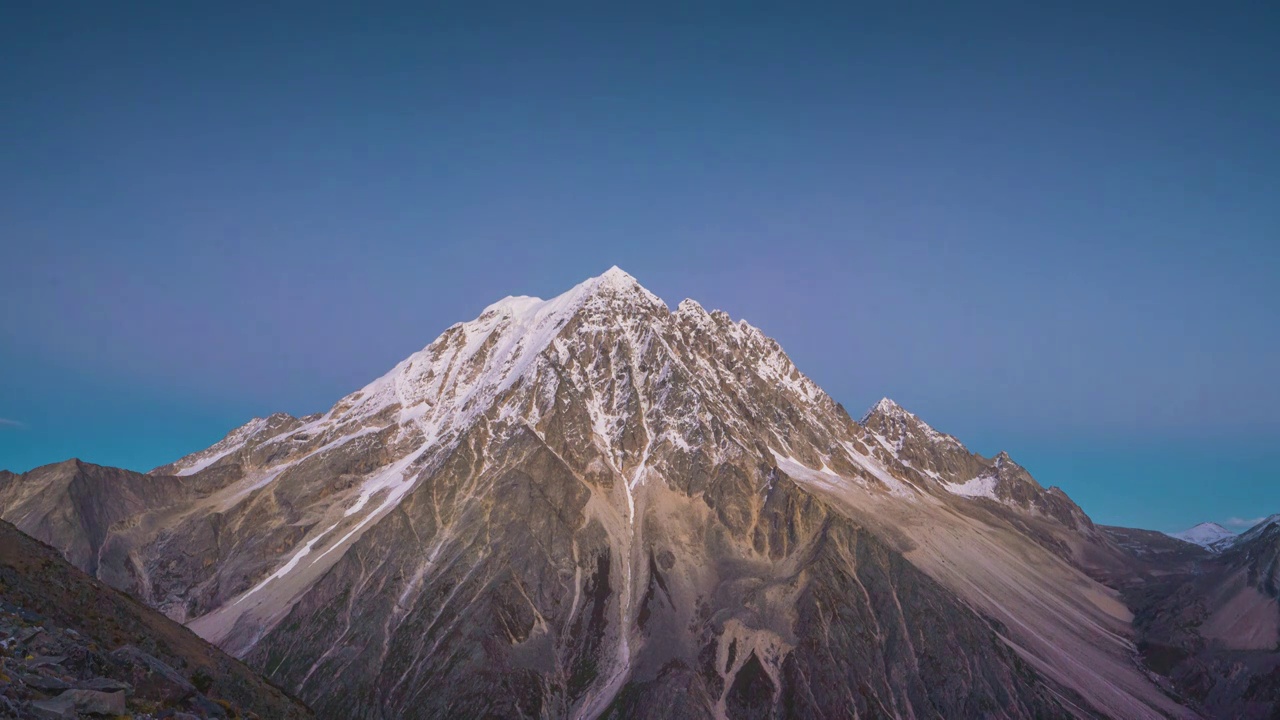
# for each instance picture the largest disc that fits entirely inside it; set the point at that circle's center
(1053, 231)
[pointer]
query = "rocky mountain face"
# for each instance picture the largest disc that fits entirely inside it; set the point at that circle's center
(72, 646)
(597, 506)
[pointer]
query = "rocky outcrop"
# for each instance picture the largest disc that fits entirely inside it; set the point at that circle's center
(74, 702)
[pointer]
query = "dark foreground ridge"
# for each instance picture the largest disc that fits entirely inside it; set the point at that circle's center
(70, 646)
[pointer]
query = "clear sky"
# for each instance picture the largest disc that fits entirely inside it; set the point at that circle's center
(1051, 230)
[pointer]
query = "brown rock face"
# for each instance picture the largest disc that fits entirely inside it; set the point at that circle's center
(595, 506)
(78, 503)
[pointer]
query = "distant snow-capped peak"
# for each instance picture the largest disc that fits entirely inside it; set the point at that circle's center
(1208, 535)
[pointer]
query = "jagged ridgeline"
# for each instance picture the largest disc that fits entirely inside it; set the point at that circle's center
(598, 506)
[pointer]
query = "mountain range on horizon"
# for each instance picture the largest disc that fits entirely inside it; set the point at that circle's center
(596, 505)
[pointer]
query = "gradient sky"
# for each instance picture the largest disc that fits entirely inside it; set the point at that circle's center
(1051, 231)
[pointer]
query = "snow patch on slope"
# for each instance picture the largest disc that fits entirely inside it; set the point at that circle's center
(830, 480)
(982, 486)
(234, 440)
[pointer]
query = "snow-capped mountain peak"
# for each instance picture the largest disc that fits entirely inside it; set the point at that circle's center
(617, 277)
(1208, 535)
(607, 338)
(896, 425)
(885, 407)
(600, 486)
(614, 283)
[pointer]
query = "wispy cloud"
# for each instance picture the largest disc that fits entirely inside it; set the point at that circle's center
(7, 423)
(1237, 522)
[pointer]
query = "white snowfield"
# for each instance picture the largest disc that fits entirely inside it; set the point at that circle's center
(983, 486)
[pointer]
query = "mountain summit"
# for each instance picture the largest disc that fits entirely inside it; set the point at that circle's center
(1208, 535)
(597, 506)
